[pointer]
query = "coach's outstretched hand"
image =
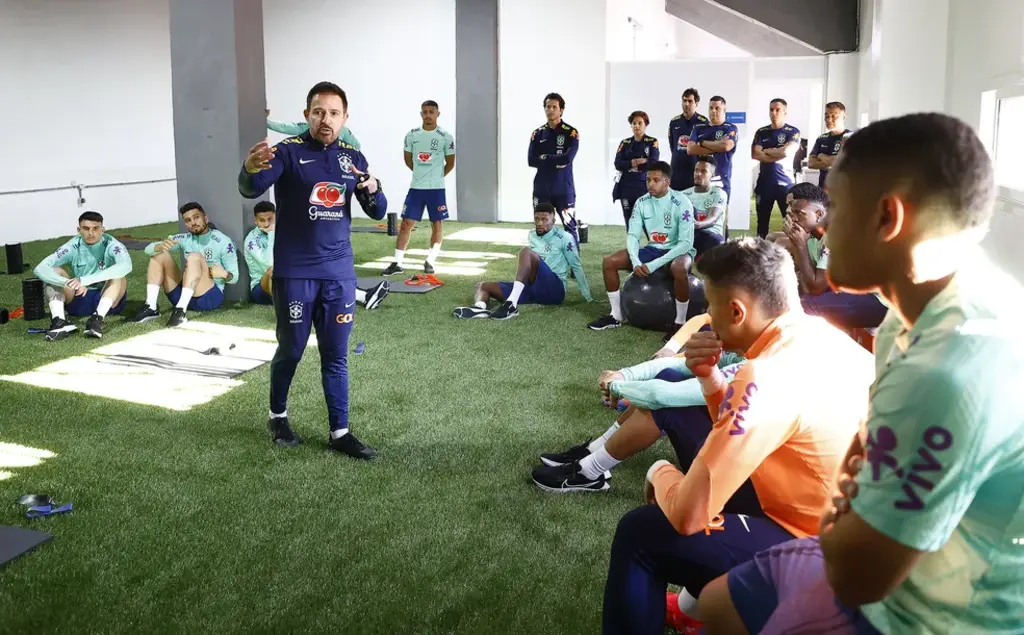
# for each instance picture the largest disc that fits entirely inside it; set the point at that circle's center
(260, 156)
(370, 184)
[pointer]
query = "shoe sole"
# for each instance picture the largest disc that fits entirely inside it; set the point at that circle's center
(393, 273)
(503, 318)
(352, 456)
(565, 490)
(176, 324)
(475, 316)
(94, 334)
(61, 334)
(374, 301)
(603, 328)
(550, 463)
(148, 318)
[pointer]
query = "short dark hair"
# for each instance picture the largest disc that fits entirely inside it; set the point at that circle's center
(811, 193)
(263, 206)
(707, 158)
(95, 217)
(836, 104)
(556, 97)
(639, 113)
(718, 98)
(430, 102)
(190, 206)
(546, 208)
(692, 92)
(661, 166)
(779, 100)
(762, 268)
(938, 158)
(321, 88)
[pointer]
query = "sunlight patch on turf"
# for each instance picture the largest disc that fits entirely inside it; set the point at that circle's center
(13, 455)
(169, 368)
(495, 235)
(5, 475)
(451, 263)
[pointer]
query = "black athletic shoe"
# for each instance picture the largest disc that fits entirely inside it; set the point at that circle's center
(59, 329)
(671, 333)
(94, 327)
(377, 294)
(572, 455)
(603, 323)
(392, 270)
(177, 318)
(281, 432)
(470, 312)
(506, 311)
(427, 267)
(567, 478)
(145, 314)
(352, 447)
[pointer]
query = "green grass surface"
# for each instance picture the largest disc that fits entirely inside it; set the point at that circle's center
(193, 522)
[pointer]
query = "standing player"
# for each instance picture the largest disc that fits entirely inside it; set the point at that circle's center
(680, 131)
(718, 139)
(553, 148)
(774, 146)
(709, 205)
(259, 256)
(825, 149)
(430, 154)
(209, 261)
(87, 274)
(315, 278)
(635, 153)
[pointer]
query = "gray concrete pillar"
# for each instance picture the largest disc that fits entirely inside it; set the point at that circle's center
(219, 96)
(476, 116)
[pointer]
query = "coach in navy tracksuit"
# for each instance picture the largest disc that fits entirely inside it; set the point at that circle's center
(314, 274)
(774, 146)
(553, 148)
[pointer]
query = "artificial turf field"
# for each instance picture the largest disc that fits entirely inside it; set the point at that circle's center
(193, 522)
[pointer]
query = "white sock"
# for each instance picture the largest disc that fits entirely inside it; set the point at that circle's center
(337, 434)
(435, 251)
(152, 291)
(57, 309)
(103, 306)
(480, 305)
(593, 465)
(517, 290)
(186, 296)
(400, 257)
(599, 442)
(688, 604)
(681, 308)
(360, 296)
(274, 415)
(613, 299)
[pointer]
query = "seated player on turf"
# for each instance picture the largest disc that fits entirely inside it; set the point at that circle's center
(924, 535)
(209, 262)
(541, 274)
(259, 257)
(87, 274)
(663, 382)
(709, 205)
(774, 439)
(667, 217)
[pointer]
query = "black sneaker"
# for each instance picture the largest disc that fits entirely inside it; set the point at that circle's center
(94, 327)
(572, 455)
(177, 318)
(427, 267)
(470, 312)
(603, 323)
(281, 432)
(392, 270)
(145, 314)
(59, 329)
(506, 311)
(352, 447)
(567, 478)
(377, 294)
(671, 333)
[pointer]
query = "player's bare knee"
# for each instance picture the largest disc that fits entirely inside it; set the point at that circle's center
(52, 293)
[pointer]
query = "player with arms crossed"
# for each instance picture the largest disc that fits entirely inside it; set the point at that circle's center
(314, 273)
(430, 154)
(86, 275)
(553, 148)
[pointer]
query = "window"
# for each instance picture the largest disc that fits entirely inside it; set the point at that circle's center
(1009, 146)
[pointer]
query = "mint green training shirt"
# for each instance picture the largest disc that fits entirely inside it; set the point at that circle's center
(297, 128)
(259, 254)
(216, 247)
(668, 221)
(108, 259)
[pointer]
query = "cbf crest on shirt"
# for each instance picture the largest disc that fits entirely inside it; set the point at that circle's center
(429, 148)
(769, 138)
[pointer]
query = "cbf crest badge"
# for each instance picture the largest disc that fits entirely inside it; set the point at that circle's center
(561, 140)
(647, 151)
(718, 135)
(781, 138)
(668, 219)
(345, 163)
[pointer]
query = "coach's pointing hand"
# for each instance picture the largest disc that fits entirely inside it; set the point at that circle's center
(370, 184)
(260, 156)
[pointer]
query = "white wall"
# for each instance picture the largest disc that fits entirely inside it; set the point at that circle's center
(528, 72)
(695, 43)
(655, 35)
(842, 76)
(912, 77)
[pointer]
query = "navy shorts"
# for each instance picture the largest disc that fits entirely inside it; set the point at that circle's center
(433, 201)
(546, 288)
(258, 296)
(561, 202)
(783, 589)
(648, 253)
(85, 305)
(209, 301)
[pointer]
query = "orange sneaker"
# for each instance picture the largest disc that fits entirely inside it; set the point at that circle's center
(676, 619)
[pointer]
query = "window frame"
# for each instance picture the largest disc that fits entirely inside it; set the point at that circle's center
(1011, 195)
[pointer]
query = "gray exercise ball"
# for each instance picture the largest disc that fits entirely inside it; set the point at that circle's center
(649, 302)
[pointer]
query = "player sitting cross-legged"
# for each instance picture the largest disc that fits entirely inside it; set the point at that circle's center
(86, 275)
(541, 275)
(210, 261)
